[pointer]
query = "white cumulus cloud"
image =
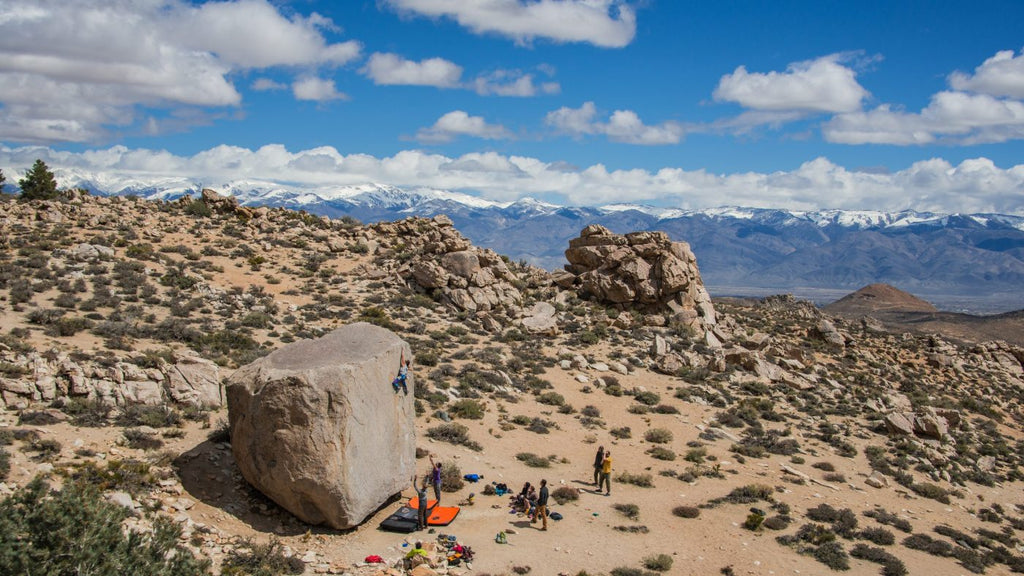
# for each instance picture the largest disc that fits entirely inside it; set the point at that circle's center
(605, 23)
(622, 126)
(71, 71)
(316, 89)
(1000, 75)
(820, 85)
(936, 185)
(458, 123)
(392, 69)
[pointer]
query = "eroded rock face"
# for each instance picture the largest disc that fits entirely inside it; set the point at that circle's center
(642, 269)
(316, 426)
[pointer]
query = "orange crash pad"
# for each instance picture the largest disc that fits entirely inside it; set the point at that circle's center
(436, 515)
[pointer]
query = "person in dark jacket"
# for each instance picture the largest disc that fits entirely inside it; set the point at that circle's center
(542, 505)
(598, 462)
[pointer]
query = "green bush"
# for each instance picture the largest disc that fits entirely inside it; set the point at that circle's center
(75, 531)
(5, 463)
(551, 399)
(658, 435)
(658, 563)
(879, 536)
(467, 408)
(753, 521)
(647, 398)
(661, 453)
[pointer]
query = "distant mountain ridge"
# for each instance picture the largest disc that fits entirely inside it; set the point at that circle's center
(976, 255)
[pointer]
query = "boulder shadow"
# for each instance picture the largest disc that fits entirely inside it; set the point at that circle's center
(208, 474)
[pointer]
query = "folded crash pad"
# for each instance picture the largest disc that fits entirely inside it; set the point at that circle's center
(404, 520)
(436, 515)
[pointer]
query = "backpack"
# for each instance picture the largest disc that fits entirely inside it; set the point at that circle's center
(501, 538)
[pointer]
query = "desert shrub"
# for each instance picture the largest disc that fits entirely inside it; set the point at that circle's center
(591, 411)
(219, 433)
(661, 453)
(451, 477)
(532, 460)
(467, 408)
(453, 433)
(628, 571)
(647, 398)
(686, 511)
(835, 477)
(780, 522)
(633, 529)
(889, 519)
(666, 409)
(46, 449)
(75, 531)
(521, 570)
(252, 559)
(747, 494)
(843, 521)
(152, 416)
(140, 440)
(658, 563)
(641, 480)
(33, 418)
(638, 409)
(891, 565)
(879, 536)
(129, 475)
(833, 555)
(658, 435)
(540, 426)
(696, 455)
(926, 543)
(564, 494)
(824, 466)
(753, 521)
(929, 490)
(631, 511)
(621, 433)
(5, 463)
(551, 399)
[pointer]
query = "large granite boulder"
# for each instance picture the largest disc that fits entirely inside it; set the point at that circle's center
(317, 427)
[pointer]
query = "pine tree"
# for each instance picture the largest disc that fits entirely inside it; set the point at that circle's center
(2, 180)
(38, 183)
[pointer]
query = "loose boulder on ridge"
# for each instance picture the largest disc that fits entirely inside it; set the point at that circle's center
(317, 427)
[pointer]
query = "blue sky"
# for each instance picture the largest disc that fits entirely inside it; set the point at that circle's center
(858, 105)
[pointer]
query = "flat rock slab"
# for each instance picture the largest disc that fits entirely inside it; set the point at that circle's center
(317, 427)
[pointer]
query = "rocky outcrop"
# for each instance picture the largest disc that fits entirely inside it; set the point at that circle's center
(33, 378)
(643, 270)
(433, 256)
(933, 423)
(316, 426)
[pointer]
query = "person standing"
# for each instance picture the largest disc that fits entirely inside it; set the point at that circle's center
(435, 478)
(598, 462)
(542, 505)
(421, 496)
(606, 474)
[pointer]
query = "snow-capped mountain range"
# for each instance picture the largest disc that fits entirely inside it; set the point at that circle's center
(979, 255)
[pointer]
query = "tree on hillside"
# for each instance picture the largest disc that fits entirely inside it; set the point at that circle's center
(2, 180)
(38, 183)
